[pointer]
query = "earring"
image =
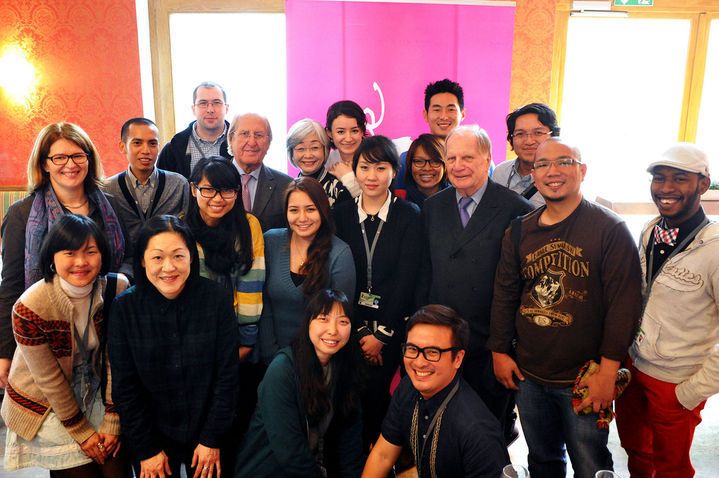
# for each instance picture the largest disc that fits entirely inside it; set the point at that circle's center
(52, 267)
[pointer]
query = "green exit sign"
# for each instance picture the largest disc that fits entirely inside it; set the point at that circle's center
(633, 3)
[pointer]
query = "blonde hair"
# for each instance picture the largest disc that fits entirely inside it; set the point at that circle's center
(38, 178)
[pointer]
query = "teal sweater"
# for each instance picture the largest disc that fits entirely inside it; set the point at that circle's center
(276, 443)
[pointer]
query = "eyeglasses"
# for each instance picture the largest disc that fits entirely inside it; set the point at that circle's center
(431, 354)
(259, 136)
(203, 104)
(562, 163)
(302, 151)
(209, 193)
(62, 159)
(536, 134)
(421, 163)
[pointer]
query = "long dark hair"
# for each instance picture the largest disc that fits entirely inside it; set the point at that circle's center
(157, 225)
(316, 267)
(346, 378)
(228, 245)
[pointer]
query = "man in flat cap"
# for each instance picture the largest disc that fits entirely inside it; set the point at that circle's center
(674, 358)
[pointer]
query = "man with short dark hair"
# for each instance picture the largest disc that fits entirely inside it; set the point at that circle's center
(527, 128)
(434, 412)
(463, 229)
(443, 111)
(443, 106)
(143, 191)
(204, 137)
(263, 188)
(567, 292)
(675, 355)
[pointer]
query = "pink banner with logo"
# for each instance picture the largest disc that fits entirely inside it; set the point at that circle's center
(382, 55)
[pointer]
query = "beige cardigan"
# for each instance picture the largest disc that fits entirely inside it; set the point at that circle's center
(41, 372)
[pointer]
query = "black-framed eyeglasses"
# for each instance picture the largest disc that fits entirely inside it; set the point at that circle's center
(431, 354)
(209, 193)
(62, 159)
(421, 163)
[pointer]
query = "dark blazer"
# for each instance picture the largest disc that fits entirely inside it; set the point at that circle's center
(459, 264)
(269, 203)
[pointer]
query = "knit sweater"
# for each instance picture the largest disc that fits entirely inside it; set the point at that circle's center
(173, 199)
(246, 289)
(41, 375)
(284, 302)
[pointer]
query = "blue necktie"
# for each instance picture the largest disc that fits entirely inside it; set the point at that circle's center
(463, 213)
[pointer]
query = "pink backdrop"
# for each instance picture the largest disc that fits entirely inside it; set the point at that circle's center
(339, 50)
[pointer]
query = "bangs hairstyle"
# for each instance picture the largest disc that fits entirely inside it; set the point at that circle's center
(299, 131)
(433, 147)
(377, 149)
(315, 269)
(38, 178)
(228, 245)
(346, 363)
(435, 314)
(157, 225)
(346, 108)
(70, 233)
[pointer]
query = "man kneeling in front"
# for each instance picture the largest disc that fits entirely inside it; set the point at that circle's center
(434, 412)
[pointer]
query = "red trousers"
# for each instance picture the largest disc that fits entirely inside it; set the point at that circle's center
(655, 429)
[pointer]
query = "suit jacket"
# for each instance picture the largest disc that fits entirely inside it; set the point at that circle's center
(459, 264)
(269, 203)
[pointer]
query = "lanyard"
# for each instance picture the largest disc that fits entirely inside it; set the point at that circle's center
(84, 342)
(679, 248)
(370, 251)
(437, 414)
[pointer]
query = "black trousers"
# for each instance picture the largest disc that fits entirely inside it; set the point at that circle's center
(478, 371)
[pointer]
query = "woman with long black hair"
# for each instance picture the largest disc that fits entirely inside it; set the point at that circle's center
(307, 422)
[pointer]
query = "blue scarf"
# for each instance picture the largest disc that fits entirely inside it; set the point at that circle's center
(46, 210)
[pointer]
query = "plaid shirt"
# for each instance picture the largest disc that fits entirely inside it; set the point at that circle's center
(177, 366)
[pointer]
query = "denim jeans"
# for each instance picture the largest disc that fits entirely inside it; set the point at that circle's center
(551, 427)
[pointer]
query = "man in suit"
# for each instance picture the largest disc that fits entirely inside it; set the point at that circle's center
(463, 227)
(263, 188)
(204, 137)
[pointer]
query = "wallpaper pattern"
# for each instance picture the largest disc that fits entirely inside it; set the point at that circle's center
(86, 58)
(532, 52)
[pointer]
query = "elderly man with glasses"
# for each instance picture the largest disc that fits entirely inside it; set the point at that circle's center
(434, 412)
(204, 137)
(263, 188)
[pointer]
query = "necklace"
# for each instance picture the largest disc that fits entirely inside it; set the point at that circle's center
(75, 207)
(298, 254)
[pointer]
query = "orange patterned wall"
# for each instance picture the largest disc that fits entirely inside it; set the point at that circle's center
(86, 56)
(532, 52)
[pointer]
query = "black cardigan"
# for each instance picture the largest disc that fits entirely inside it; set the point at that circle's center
(394, 267)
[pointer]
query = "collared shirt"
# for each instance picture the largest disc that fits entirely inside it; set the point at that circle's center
(382, 213)
(469, 442)
(143, 193)
(252, 184)
(476, 198)
(207, 148)
(662, 251)
(507, 174)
